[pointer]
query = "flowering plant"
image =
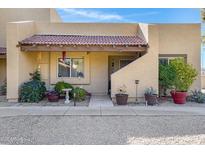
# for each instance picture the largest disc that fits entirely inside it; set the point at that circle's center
(122, 89)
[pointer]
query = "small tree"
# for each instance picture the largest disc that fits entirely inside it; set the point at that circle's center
(35, 75)
(185, 74)
(166, 78)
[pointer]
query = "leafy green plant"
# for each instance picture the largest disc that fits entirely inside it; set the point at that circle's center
(33, 90)
(185, 74)
(197, 96)
(166, 78)
(35, 75)
(3, 88)
(80, 94)
(150, 91)
(59, 86)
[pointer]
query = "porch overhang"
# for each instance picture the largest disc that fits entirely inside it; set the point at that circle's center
(79, 43)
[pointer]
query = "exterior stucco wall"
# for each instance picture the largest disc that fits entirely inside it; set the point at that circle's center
(183, 39)
(144, 69)
(54, 16)
(163, 39)
(19, 64)
(87, 28)
(203, 82)
(21, 14)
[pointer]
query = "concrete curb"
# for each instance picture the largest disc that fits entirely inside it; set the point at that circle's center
(99, 111)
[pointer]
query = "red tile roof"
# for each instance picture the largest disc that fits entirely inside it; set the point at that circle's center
(2, 51)
(83, 40)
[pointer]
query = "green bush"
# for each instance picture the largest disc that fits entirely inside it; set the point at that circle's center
(185, 74)
(59, 86)
(80, 94)
(32, 91)
(3, 88)
(35, 75)
(197, 96)
(166, 78)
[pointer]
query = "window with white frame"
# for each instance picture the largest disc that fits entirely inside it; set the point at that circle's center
(166, 60)
(71, 67)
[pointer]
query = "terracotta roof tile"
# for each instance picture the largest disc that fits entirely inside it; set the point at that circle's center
(2, 51)
(83, 40)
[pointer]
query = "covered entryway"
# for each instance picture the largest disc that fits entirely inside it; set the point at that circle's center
(116, 62)
(101, 55)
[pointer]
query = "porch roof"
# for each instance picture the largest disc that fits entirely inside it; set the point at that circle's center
(83, 40)
(2, 51)
(83, 43)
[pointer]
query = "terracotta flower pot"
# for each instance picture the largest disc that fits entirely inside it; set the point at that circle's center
(179, 97)
(53, 97)
(151, 99)
(121, 99)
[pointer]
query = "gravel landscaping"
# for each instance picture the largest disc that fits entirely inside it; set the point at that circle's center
(102, 130)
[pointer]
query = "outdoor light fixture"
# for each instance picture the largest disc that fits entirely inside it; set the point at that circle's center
(74, 66)
(136, 82)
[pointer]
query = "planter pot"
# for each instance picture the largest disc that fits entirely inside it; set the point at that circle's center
(179, 97)
(61, 97)
(121, 99)
(151, 99)
(53, 98)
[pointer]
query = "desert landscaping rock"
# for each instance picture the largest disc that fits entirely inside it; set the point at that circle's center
(102, 130)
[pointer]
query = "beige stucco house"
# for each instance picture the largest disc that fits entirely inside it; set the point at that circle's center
(100, 57)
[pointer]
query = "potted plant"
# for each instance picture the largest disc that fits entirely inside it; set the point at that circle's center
(53, 96)
(150, 96)
(121, 96)
(185, 75)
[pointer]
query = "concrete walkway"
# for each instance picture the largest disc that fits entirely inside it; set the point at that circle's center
(100, 101)
(100, 111)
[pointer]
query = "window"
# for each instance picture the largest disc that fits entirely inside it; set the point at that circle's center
(71, 67)
(167, 60)
(125, 62)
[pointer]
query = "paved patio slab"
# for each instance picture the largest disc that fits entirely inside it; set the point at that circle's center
(100, 101)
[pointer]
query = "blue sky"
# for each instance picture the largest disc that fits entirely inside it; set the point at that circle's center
(152, 15)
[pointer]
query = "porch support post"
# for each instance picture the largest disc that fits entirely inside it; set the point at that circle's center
(17, 62)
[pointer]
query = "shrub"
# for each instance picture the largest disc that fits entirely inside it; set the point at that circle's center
(32, 91)
(63, 85)
(80, 94)
(3, 88)
(150, 91)
(185, 74)
(35, 75)
(166, 78)
(197, 96)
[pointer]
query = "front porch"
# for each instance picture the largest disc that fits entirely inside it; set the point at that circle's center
(83, 61)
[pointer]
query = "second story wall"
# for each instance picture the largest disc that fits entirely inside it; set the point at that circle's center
(24, 14)
(185, 39)
(114, 29)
